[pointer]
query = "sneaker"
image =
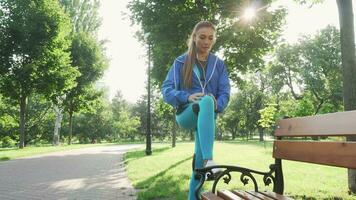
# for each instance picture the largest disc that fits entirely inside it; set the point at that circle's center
(216, 171)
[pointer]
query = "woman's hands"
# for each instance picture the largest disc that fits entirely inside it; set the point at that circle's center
(195, 97)
(215, 103)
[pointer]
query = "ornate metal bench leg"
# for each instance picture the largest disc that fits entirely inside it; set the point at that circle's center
(196, 176)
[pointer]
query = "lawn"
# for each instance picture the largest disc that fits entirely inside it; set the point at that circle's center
(166, 173)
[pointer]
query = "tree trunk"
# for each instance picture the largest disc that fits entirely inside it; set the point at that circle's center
(174, 132)
(260, 131)
(57, 125)
(23, 102)
(70, 127)
(191, 133)
(349, 68)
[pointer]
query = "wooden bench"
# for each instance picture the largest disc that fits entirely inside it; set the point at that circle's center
(331, 153)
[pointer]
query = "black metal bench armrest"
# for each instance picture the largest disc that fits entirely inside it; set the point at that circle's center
(246, 175)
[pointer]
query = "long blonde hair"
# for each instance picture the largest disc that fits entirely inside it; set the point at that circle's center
(191, 55)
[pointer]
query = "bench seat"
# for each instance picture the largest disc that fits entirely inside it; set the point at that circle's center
(242, 195)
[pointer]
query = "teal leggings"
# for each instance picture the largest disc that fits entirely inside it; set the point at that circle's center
(204, 124)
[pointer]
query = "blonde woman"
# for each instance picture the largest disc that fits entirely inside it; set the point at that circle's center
(197, 85)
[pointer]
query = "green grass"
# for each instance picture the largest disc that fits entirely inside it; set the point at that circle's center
(12, 153)
(166, 173)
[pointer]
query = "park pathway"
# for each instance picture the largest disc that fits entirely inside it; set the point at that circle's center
(90, 173)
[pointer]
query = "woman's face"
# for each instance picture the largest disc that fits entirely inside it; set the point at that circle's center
(204, 40)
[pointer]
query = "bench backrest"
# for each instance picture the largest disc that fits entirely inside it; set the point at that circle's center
(340, 154)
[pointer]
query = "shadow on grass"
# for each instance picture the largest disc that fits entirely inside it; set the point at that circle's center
(5, 158)
(8, 149)
(163, 186)
(134, 155)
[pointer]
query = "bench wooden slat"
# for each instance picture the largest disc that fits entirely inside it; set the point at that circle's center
(210, 196)
(245, 195)
(332, 124)
(227, 195)
(238, 195)
(260, 195)
(339, 154)
(276, 196)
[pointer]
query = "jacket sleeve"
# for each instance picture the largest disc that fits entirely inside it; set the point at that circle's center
(223, 94)
(171, 94)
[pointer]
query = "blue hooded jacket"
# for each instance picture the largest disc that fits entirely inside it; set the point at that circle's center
(217, 83)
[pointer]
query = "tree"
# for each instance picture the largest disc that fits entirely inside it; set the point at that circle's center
(58, 110)
(94, 125)
(286, 70)
(140, 110)
(33, 52)
(118, 105)
(125, 122)
(84, 15)
(348, 56)
(311, 70)
(164, 118)
(37, 115)
(87, 54)
(268, 116)
(8, 119)
(321, 70)
(161, 19)
(233, 118)
(127, 126)
(242, 113)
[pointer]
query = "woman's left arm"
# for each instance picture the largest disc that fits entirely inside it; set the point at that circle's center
(223, 94)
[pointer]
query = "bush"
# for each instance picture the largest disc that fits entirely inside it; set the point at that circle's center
(7, 142)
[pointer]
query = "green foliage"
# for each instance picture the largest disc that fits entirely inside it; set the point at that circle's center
(95, 125)
(311, 70)
(126, 123)
(268, 116)
(140, 110)
(322, 70)
(33, 48)
(163, 119)
(40, 118)
(34, 54)
(118, 105)
(310, 3)
(7, 142)
(127, 126)
(8, 118)
(285, 70)
(87, 55)
(304, 107)
(167, 24)
(242, 114)
(84, 15)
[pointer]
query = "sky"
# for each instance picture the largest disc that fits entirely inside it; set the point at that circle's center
(128, 61)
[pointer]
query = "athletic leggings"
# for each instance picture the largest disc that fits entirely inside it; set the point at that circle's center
(204, 124)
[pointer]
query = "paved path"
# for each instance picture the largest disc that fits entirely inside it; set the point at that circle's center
(91, 173)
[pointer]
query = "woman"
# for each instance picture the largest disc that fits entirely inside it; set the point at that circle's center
(197, 85)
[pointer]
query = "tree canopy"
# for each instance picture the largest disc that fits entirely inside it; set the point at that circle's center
(166, 26)
(34, 53)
